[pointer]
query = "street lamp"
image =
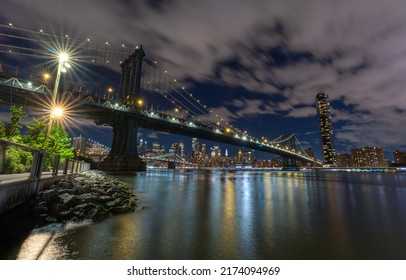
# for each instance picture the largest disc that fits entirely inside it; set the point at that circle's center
(63, 58)
(62, 65)
(45, 77)
(56, 112)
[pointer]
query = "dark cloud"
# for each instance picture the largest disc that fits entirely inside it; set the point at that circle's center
(353, 50)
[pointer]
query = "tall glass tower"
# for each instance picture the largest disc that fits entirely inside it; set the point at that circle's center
(326, 129)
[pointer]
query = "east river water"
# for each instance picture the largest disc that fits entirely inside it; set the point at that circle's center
(195, 214)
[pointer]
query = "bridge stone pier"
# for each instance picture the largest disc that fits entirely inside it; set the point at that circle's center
(124, 155)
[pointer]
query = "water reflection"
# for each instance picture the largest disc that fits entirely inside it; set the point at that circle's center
(242, 215)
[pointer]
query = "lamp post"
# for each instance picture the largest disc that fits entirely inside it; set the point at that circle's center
(62, 65)
(57, 112)
(63, 58)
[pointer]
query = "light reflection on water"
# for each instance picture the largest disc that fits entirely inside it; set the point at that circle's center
(242, 215)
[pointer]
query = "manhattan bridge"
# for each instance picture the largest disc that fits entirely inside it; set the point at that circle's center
(148, 96)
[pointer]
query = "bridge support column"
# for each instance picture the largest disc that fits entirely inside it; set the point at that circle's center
(124, 155)
(171, 165)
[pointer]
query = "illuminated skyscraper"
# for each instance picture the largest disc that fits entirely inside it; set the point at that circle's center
(368, 157)
(326, 129)
(195, 147)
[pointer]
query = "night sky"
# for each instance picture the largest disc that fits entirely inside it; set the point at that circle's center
(259, 64)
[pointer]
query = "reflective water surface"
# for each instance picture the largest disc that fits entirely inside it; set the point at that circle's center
(241, 215)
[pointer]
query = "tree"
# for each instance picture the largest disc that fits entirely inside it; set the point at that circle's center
(2, 130)
(58, 142)
(12, 131)
(36, 133)
(19, 160)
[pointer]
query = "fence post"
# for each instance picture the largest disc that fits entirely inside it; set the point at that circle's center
(2, 156)
(55, 169)
(37, 164)
(65, 168)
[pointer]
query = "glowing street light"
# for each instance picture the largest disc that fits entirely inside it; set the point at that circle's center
(45, 77)
(140, 102)
(56, 112)
(62, 65)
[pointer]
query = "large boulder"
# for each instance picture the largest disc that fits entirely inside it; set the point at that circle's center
(41, 208)
(49, 196)
(56, 208)
(68, 191)
(85, 207)
(110, 204)
(98, 213)
(105, 198)
(64, 216)
(70, 200)
(89, 198)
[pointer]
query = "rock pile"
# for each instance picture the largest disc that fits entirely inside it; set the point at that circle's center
(88, 195)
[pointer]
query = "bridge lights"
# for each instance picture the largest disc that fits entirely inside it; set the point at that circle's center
(140, 102)
(228, 130)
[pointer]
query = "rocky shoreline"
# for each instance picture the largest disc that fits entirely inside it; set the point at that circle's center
(86, 196)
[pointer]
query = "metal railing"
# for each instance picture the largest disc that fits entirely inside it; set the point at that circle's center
(25, 170)
(19, 162)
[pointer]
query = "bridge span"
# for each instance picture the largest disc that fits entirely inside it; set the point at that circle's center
(127, 113)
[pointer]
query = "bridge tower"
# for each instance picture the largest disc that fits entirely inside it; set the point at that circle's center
(124, 155)
(131, 69)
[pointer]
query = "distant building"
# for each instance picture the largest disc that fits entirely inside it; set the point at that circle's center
(178, 148)
(156, 147)
(343, 160)
(215, 152)
(399, 157)
(203, 155)
(90, 148)
(195, 148)
(79, 144)
(248, 157)
(326, 128)
(142, 146)
(239, 156)
(368, 157)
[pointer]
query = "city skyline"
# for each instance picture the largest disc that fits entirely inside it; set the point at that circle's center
(263, 73)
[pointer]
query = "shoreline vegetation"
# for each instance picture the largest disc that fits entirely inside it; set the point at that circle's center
(89, 195)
